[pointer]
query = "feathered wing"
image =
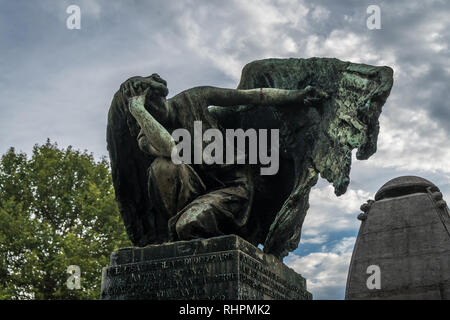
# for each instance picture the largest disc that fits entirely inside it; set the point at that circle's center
(129, 168)
(316, 139)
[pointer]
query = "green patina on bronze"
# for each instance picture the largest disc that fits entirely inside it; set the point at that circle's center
(316, 138)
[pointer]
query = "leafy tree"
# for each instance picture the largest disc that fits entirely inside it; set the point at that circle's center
(57, 209)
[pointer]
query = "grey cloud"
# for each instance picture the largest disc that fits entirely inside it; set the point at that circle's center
(58, 83)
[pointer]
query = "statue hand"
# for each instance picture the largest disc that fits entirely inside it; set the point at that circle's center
(132, 87)
(146, 94)
(135, 86)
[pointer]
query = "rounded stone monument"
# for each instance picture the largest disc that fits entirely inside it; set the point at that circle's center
(403, 246)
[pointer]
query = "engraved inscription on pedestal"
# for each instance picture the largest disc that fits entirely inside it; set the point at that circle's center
(225, 267)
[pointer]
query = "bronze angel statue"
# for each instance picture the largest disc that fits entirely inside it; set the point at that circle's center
(322, 108)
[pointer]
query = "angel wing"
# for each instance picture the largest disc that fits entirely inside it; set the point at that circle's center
(317, 140)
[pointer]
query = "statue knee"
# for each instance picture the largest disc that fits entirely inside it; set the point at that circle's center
(184, 230)
(188, 225)
(197, 222)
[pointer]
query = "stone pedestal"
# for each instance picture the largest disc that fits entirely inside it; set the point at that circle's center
(221, 268)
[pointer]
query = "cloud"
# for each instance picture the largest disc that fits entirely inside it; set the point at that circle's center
(306, 239)
(329, 213)
(243, 31)
(414, 142)
(58, 83)
(348, 46)
(325, 271)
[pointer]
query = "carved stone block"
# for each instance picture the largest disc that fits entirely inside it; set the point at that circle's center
(220, 268)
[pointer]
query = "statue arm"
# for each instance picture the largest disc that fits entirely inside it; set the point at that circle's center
(262, 96)
(160, 140)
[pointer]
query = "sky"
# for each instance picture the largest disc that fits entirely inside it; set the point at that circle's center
(58, 83)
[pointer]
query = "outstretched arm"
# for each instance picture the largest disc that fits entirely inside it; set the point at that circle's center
(262, 96)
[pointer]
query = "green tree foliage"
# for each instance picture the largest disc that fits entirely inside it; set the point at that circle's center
(57, 209)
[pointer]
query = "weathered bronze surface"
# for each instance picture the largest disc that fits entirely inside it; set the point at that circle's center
(324, 108)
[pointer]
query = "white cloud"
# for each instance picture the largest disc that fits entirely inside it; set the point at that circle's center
(431, 32)
(349, 46)
(328, 213)
(260, 29)
(412, 141)
(325, 271)
(314, 239)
